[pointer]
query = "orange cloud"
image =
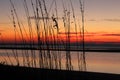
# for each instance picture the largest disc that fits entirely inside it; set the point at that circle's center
(97, 37)
(94, 37)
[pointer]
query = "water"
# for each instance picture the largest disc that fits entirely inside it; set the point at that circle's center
(106, 62)
(103, 62)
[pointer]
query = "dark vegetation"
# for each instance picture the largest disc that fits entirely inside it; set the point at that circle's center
(23, 73)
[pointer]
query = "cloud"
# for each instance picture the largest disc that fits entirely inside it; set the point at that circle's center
(39, 17)
(110, 34)
(69, 33)
(92, 20)
(109, 20)
(92, 34)
(112, 20)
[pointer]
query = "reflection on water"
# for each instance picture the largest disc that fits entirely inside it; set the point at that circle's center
(96, 61)
(103, 62)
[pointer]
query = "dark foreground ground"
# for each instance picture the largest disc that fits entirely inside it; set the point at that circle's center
(23, 73)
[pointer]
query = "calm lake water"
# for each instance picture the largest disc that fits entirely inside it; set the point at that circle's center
(107, 62)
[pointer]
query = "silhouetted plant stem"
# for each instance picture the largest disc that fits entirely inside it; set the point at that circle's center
(83, 41)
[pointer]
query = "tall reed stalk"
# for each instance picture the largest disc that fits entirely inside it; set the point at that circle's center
(15, 51)
(83, 36)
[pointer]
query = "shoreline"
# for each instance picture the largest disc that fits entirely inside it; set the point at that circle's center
(86, 50)
(27, 73)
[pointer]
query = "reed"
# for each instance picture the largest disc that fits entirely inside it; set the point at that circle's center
(75, 25)
(14, 10)
(30, 32)
(15, 51)
(3, 60)
(47, 25)
(83, 39)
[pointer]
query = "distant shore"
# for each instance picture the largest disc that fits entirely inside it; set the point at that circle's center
(63, 49)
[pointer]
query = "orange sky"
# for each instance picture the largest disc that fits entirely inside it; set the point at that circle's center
(102, 23)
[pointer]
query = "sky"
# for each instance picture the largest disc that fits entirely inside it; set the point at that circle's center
(102, 19)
